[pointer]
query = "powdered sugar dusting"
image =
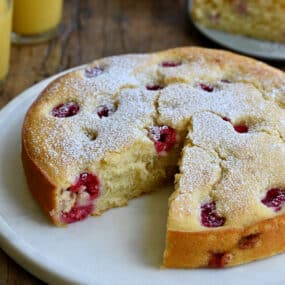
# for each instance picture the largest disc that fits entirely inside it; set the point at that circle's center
(66, 142)
(249, 166)
(179, 101)
(233, 169)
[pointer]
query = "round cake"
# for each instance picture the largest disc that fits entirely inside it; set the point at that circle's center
(126, 125)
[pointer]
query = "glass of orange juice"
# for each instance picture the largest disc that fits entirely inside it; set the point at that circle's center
(35, 21)
(5, 31)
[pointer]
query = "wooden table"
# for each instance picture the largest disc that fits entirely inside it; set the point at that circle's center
(92, 29)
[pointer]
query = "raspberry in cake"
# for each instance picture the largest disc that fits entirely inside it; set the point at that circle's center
(65, 110)
(164, 138)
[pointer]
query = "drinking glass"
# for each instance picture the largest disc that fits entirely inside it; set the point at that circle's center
(5, 32)
(35, 21)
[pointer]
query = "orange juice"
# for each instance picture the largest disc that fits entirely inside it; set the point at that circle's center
(33, 17)
(5, 31)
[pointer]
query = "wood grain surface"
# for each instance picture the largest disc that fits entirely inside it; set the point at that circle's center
(93, 29)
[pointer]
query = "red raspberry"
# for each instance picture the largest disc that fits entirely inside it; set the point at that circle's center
(275, 198)
(205, 87)
(105, 111)
(241, 128)
(238, 128)
(154, 87)
(87, 182)
(220, 260)
(164, 138)
(249, 241)
(226, 119)
(77, 213)
(65, 110)
(91, 72)
(210, 217)
(170, 63)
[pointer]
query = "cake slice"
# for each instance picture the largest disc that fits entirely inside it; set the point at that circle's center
(228, 205)
(261, 19)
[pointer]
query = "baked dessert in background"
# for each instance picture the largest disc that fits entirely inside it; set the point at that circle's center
(261, 19)
(101, 135)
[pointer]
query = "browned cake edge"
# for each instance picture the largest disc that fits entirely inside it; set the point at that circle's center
(225, 247)
(40, 185)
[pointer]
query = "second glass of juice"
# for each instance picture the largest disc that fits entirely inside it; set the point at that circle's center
(5, 31)
(35, 21)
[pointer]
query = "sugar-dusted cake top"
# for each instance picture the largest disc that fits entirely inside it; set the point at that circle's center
(229, 108)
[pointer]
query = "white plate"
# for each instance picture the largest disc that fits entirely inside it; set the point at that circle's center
(124, 246)
(258, 48)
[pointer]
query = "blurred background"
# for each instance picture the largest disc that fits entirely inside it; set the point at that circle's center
(93, 29)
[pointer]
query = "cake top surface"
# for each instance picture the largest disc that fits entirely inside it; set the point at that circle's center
(230, 108)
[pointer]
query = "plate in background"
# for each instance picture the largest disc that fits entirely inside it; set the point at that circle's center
(242, 44)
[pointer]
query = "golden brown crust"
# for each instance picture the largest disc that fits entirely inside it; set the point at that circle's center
(39, 184)
(196, 249)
